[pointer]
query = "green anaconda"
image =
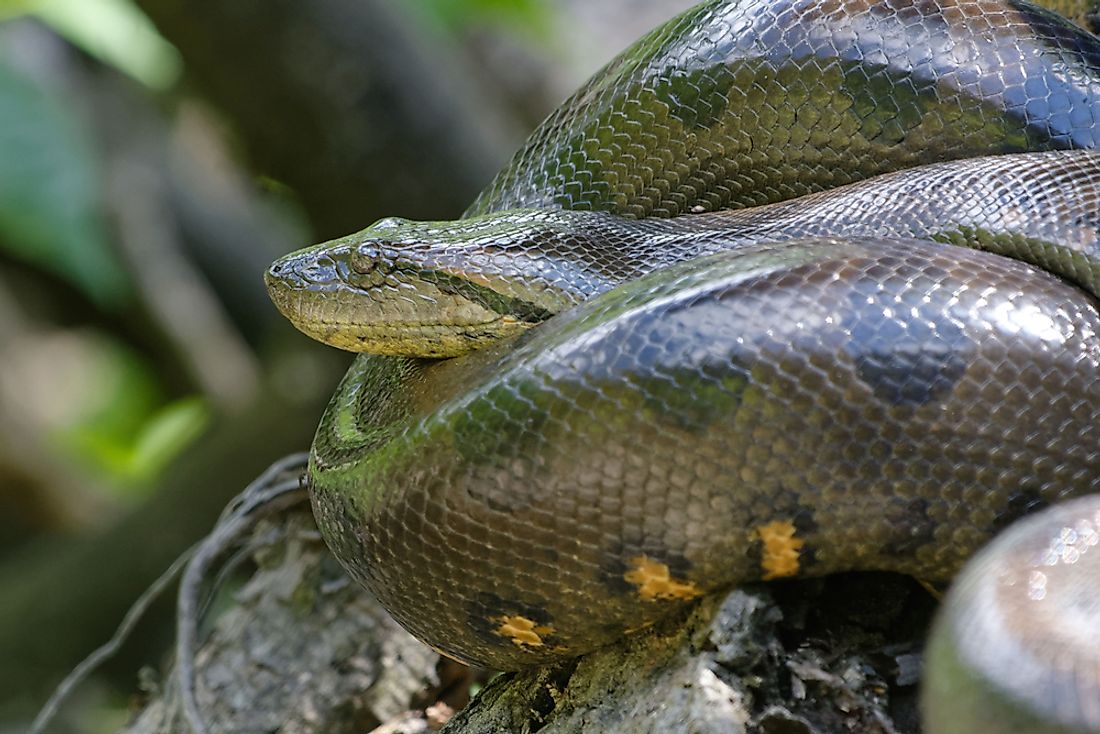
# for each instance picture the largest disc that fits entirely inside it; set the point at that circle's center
(793, 388)
(439, 289)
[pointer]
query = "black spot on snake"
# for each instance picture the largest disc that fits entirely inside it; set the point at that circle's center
(1058, 36)
(1023, 502)
(904, 356)
(720, 385)
(915, 527)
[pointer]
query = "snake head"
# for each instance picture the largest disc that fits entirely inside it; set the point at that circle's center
(437, 289)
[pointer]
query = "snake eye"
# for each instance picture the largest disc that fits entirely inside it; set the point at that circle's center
(367, 259)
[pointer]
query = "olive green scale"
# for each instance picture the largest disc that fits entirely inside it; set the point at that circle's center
(777, 409)
(886, 404)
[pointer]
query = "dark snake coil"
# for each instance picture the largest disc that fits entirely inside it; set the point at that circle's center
(804, 400)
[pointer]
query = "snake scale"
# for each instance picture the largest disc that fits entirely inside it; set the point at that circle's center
(777, 336)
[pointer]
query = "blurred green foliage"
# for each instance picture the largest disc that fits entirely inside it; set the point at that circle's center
(118, 421)
(99, 403)
(529, 17)
(50, 212)
(115, 32)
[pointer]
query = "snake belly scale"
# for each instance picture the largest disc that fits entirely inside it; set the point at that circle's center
(794, 388)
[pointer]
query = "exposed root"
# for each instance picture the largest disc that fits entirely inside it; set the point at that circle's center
(277, 489)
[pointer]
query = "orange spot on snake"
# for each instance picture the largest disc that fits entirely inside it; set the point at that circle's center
(654, 581)
(781, 549)
(521, 630)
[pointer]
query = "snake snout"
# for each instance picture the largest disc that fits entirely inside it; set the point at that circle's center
(302, 270)
(273, 275)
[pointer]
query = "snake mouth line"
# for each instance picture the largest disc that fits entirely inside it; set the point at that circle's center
(295, 301)
(435, 339)
(452, 317)
(514, 307)
(404, 327)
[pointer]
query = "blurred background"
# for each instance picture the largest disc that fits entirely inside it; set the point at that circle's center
(155, 156)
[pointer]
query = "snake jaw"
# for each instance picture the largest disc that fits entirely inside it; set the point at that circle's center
(345, 318)
(434, 341)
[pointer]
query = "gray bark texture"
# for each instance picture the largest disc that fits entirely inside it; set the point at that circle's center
(300, 649)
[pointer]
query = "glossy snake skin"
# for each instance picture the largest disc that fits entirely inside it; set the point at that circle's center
(480, 279)
(790, 390)
(1022, 616)
(747, 102)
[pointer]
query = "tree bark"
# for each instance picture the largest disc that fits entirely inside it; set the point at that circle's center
(300, 650)
(62, 602)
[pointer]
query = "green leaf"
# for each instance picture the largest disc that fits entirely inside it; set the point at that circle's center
(167, 433)
(117, 33)
(531, 17)
(110, 413)
(15, 8)
(49, 192)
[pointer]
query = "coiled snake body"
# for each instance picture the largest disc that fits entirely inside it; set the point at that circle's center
(809, 386)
